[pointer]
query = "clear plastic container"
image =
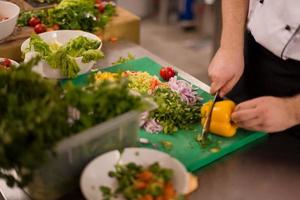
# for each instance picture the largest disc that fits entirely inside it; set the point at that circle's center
(61, 173)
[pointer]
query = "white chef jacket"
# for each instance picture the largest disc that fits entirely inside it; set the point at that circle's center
(275, 24)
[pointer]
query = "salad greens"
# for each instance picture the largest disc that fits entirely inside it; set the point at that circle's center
(136, 182)
(63, 57)
(73, 15)
(37, 44)
(35, 115)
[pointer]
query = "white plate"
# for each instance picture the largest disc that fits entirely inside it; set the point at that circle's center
(96, 172)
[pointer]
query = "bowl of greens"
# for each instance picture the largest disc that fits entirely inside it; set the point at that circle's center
(65, 53)
(133, 174)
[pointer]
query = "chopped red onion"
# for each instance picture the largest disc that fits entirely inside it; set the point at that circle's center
(144, 118)
(152, 126)
(185, 89)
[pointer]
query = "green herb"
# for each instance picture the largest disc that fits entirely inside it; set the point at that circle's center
(35, 116)
(104, 100)
(122, 59)
(106, 192)
(109, 11)
(173, 113)
(27, 15)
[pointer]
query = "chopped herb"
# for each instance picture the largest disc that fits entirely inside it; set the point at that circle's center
(167, 145)
(106, 192)
(122, 59)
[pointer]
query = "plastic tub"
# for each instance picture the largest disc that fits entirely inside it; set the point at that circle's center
(62, 172)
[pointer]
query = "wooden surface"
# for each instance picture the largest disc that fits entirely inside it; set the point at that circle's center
(125, 26)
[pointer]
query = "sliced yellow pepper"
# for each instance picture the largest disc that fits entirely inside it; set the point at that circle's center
(101, 76)
(220, 123)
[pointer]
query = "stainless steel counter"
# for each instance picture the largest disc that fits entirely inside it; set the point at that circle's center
(268, 170)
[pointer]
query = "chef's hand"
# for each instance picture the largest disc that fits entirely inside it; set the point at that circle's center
(268, 114)
(225, 69)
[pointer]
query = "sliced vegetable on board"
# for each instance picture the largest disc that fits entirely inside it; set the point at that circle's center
(178, 103)
(220, 122)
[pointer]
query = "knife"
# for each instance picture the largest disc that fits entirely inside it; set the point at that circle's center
(201, 137)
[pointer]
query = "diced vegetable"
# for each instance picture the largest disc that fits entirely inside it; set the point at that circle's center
(173, 113)
(141, 183)
(178, 103)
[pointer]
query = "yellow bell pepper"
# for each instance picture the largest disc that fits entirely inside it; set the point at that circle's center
(220, 123)
(101, 76)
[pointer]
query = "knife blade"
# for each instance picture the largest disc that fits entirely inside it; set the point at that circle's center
(206, 124)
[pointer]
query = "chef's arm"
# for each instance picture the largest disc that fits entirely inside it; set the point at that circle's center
(294, 103)
(234, 14)
(227, 65)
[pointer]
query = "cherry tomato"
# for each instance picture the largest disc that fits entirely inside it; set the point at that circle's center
(101, 7)
(113, 39)
(55, 27)
(167, 72)
(40, 28)
(6, 62)
(34, 21)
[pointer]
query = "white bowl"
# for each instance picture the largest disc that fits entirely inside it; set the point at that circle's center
(11, 11)
(95, 173)
(62, 37)
(14, 63)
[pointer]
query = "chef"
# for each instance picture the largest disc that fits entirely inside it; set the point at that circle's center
(260, 69)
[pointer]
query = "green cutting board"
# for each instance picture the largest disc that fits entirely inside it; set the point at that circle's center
(184, 146)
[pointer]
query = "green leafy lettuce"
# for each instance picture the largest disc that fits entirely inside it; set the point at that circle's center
(63, 57)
